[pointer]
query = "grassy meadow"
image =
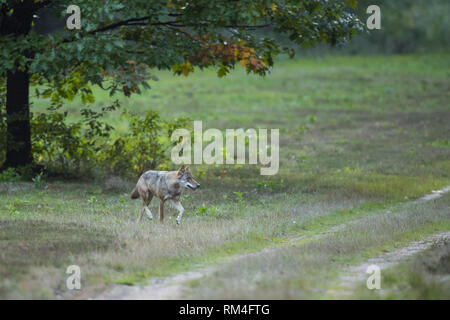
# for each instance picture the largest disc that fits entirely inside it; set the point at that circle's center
(360, 139)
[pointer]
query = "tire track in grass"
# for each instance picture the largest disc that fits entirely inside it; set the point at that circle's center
(356, 275)
(169, 288)
(172, 287)
(433, 195)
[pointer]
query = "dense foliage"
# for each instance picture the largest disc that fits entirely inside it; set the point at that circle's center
(68, 149)
(120, 42)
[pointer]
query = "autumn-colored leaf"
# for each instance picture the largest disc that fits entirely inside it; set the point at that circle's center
(254, 63)
(245, 55)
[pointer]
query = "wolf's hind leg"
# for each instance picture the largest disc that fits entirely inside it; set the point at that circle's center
(146, 208)
(161, 209)
(146, 198)
(180, 209)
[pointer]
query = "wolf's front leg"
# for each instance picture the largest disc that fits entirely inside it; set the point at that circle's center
(148, 213)
(179, 207)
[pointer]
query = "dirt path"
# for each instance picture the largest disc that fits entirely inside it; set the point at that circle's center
(156, 289)
(172, 287)
(357, 275)
(433, 195)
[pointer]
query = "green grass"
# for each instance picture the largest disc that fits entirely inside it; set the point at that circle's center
(424, 276)
(359, 137)
(310, 269)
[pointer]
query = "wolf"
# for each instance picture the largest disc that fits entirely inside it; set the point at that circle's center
(165, 185)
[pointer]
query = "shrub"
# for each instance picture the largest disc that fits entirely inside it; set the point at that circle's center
(56, 144)
(71, 148)
(9, 175)
(65, 148)
(145, 146)
(68, 149)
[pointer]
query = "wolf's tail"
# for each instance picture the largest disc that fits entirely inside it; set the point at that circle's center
(134, 193)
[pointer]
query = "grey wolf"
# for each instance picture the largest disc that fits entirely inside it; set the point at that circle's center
(165, 185)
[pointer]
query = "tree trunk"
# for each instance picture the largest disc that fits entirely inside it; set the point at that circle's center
(18, 147)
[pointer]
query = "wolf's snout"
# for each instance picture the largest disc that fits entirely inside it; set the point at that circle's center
(196, 186)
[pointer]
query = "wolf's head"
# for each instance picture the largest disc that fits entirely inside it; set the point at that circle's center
(186, 178)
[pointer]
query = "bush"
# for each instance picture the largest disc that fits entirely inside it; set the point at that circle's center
(146, 145)
(65, 148)
(90, 143)
(69, 149)
(9, 175)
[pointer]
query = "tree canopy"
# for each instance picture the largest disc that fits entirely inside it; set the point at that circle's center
(120, 42)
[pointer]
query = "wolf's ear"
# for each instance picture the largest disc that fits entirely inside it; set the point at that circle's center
(181, 171)
(186, 169)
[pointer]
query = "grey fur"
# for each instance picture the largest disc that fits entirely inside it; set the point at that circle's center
(165, 185)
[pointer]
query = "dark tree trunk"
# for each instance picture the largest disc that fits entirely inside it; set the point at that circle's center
(18, 147)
